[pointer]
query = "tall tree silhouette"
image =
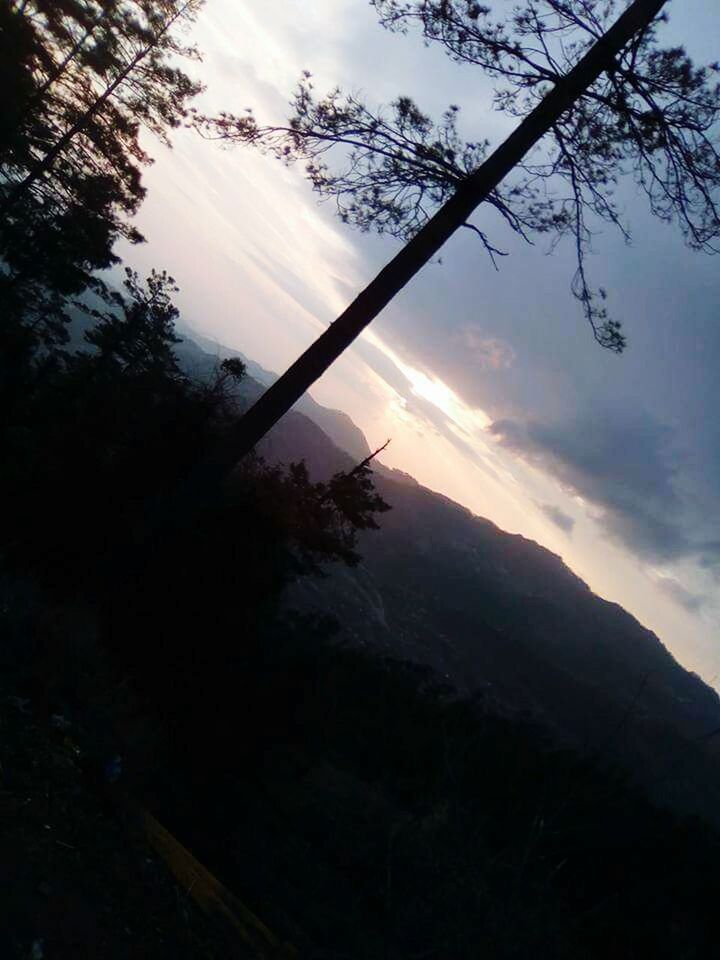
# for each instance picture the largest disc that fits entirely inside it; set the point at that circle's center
(85, 77)
(602, 97)
(130, 72)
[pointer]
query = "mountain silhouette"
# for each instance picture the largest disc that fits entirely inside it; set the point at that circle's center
(497, 616)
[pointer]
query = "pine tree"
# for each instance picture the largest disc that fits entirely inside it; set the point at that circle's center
(85, 77)
(596, 98)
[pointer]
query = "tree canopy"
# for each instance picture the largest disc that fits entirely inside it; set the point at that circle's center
(650, 115)
(83, 79)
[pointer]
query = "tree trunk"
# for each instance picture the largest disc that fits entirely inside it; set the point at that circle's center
(288, 389)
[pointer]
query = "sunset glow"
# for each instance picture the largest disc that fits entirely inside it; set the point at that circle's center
(276, 268)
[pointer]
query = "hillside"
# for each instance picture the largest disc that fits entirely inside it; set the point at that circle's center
(200, 355)
(499, 616)
(446, 765)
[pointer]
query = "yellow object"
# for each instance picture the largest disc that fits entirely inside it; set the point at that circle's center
(212, 896)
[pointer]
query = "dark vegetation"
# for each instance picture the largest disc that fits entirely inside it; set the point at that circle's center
(76, 882)
(355, 804)
(400, 822)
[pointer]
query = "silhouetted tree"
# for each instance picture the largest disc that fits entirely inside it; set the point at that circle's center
(600, 98)
(97, 445)
(83, 77)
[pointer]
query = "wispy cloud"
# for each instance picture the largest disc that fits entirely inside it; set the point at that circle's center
(692, 602)
(558, 517)
(487, 353)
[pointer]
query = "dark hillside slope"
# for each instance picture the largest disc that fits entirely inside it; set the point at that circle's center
(499, 615)
(496, 614)
(202, 356)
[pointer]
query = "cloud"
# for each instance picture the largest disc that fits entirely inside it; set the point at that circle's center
(691, 602)
(627, 467)
(558, 517)
(487, 353)
(710, 555)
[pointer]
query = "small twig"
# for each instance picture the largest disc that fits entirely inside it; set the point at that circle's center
(364, 463)
(491, 250)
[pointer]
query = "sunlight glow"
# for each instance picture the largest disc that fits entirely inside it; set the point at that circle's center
(471, 420)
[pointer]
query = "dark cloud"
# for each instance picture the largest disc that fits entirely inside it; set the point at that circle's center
(628, 467)
(710, 555)
(558, 517)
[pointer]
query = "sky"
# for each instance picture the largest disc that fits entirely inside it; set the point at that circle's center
(488, 382)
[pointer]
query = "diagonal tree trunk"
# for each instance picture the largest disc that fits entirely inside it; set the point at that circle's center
(288, 389)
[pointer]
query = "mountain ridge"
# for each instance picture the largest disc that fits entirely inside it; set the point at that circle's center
(498, 616)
